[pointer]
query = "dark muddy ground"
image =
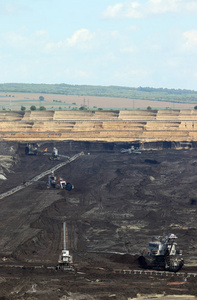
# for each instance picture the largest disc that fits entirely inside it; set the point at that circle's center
(119, 202)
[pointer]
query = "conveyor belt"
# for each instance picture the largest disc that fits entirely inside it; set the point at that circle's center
(154, 272)
(38, 177)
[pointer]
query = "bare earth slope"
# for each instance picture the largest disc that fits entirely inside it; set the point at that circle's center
(119, 202)
(110, 126)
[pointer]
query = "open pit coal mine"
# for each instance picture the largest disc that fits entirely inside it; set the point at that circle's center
(118, 202)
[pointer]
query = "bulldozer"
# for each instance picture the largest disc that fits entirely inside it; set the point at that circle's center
(163, 255)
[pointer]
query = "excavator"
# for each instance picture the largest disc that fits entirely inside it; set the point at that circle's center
(163, 255)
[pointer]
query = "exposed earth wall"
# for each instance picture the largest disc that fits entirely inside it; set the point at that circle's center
(110, 126)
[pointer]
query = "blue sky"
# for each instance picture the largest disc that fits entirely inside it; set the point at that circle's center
(106, 42)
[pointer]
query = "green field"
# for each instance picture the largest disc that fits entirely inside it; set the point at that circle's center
(12, 96)
(144, 93)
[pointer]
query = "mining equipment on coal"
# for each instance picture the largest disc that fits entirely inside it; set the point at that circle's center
(34, 149)
(134, 150)
(65, 259)
(55, 155)
(60, 183)
(163, 254)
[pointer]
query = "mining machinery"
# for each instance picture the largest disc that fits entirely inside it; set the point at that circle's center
(31, 149)
(132, 149)
(59, 183)
(65, 259)
(34, 149)
(164, 255)
(55, 155)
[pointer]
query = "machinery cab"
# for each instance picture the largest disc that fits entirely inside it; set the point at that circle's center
(62, 183)
(156, 248)
(65, 257)
(55, 154)
(52, 181)
(31, 149)
(163, 245)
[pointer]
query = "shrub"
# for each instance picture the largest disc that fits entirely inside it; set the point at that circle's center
(33, 107)
(42, 108)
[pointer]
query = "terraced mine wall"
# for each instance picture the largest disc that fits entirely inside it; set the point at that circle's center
(144, 126)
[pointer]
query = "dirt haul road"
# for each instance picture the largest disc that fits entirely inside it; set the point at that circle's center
(119, 202)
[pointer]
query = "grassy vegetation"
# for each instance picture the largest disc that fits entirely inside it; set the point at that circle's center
(144, 93)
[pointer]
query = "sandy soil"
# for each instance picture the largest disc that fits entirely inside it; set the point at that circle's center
(119, 202)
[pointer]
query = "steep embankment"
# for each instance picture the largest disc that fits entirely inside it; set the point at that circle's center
(110, 126)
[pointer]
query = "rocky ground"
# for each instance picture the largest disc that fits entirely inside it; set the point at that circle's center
(119, 202)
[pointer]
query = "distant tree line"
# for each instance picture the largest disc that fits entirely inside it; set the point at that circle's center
(143, 93)
(33, 107)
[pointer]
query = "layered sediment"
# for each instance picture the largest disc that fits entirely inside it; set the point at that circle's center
(109, 126)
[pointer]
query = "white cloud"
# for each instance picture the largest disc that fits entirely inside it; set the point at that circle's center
(113, 11)
(129, 9)
(40, 42)
(161, 6)
(54, 46)
(190, 40)
(191, 6)
(133, 9)
(14, 39)
(80, 37)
